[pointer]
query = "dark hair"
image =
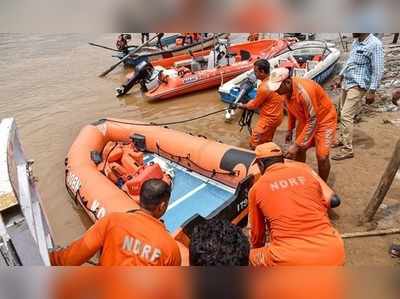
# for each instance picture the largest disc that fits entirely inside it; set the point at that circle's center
(153, 192)
(218, 243)
(263, 65)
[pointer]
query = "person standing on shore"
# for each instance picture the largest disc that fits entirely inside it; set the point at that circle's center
(145, 35)
(360, 77)
(159, 37)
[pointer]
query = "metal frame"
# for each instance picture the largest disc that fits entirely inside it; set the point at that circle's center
(25, 234)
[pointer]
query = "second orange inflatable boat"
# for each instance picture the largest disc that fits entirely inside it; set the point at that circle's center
(166, 78)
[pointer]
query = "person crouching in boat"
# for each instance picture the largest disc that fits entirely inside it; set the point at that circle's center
(135, 238)
(289, 199)
(270, 105)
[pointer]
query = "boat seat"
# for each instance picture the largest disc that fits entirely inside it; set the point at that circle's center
(201, 59)
(310, 64)
(181, 63)
(281, 61)
(167, 72)
(287, 64)
(173, 73)
(159, 68)
(299, 72)
(244, 55)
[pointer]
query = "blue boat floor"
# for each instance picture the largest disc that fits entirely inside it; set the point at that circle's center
(192, 194)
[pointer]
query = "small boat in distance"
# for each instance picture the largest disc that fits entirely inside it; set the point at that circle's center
(172, 46)
(170, 77)
(314, 60)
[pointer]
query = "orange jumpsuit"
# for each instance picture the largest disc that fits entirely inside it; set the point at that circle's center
(290, 198)
(270, 105)
(126, 239)
(311, 106)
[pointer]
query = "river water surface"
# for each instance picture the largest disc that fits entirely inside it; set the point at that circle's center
(50, 84)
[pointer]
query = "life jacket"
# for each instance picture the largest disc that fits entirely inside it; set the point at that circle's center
(114, 171)
(112, 152)
(124, 166)
(132, 160)
(133, 186)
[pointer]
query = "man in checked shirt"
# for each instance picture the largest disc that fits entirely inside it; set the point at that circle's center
(360, 76)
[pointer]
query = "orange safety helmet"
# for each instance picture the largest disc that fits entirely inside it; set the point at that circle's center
(268, 150)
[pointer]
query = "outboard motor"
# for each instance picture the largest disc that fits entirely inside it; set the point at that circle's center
(245, 86)
(144, 74)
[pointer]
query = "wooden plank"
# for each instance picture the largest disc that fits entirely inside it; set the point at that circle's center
(372, 233)
(7, 196)
(384, 185)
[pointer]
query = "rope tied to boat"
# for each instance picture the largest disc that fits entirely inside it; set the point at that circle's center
(167, 123)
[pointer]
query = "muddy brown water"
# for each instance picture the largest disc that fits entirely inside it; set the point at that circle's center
(50, 84)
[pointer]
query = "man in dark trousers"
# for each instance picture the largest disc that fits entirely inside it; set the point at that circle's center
(159, 37)
(145, 35)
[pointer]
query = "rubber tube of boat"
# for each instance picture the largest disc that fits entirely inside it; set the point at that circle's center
(246, 85)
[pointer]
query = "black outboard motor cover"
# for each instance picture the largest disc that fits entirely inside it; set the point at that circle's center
(248, 83)
(143, 71)
(245, 87)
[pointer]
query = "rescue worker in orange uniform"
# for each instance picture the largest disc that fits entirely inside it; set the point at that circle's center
(309, 105)
(292, 201)
(136, 238)
(270, 105)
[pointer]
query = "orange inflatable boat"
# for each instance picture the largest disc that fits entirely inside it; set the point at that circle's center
(166, 78)
(110, 159)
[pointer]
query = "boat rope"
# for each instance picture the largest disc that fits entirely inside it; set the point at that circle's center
(168, 123)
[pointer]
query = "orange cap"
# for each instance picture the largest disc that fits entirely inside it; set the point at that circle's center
(268, 150)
